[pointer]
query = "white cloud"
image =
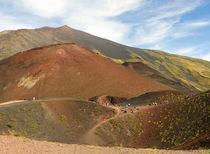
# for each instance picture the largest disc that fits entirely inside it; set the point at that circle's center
(55, 8)
(9, 22)
(44, 8)
(206, 57)
(197, 24)
(102, 27)
(92, 16)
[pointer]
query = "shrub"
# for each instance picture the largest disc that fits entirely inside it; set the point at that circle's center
(63, 118)
(9, 125)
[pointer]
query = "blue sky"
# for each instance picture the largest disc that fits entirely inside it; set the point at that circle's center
(175, 26)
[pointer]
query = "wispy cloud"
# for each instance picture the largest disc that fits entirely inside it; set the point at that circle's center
(174, 9)
(189, 28)
(152, 23)
(188, 50)
(197, 24)
(164, 22)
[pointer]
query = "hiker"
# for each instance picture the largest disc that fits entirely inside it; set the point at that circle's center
(34, 98)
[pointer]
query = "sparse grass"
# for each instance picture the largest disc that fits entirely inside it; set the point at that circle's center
(192, 72)
(190, 121)
(25, 120)
(63, 117)
(112, 121)
(119, 61)
(33, 126)
(23, 109)
(12, 119)
(23, 140)
(2, 114)
(98, 130)
(29, 114)
(14, 133)
(119, 145)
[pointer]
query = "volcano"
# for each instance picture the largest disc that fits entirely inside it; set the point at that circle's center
(68, 70)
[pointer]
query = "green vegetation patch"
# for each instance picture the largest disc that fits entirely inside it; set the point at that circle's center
(9, 125)
(63, 117)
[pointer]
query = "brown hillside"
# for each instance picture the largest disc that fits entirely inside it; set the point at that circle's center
(68, 70)
(61, 120)
(177, 125)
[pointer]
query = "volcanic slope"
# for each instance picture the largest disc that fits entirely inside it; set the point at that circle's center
(159, 97)
(175, 125)
(55, 120)
(148, 72)
(179, 72)
(68, 70)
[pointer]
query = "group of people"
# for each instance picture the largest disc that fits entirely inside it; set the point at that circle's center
(129, 108)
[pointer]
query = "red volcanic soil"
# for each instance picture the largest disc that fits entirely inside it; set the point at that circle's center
(68, 70)
(107, 100)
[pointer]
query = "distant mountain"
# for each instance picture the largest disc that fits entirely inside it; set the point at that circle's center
(178, 72)
(68, 70)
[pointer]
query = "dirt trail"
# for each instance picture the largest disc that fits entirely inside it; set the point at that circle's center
(90, 137)
(12, 102)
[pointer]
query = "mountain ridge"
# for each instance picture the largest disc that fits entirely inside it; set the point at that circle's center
(192, 74)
